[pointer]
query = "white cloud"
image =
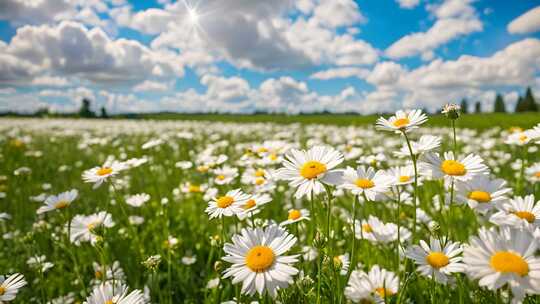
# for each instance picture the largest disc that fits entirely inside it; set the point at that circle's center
(338, 13)
(455, 18)
(152, 86)
(50, 81)
(69, 48)
(343, 72)
(150, 21)
(529, 22)
(408, 4)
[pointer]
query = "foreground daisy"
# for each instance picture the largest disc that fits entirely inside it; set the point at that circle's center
(505, 257)
(376, 286)
(518, 212)
(365, 182)
(402, 121)
(58, 202)
(454, 169)
(10, 286)
(228, 205)
(118, 294)
(98, 175)
(437, 260)
(258, 261)
(308, 170)
(482, 193)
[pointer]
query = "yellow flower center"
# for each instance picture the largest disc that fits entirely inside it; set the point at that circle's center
(98, 274)
(526, 215)
(505, 261)
(262, 150)
(273, 156)
(250, 204)
(259, 181)
(337, 261)
(453, 168)
(92, 225)
(194, 188)
(523, 138)
(2, 290)
(537, 174)
(225, 201)
(404, 178)
(437, 259)
(61, 204)
(203, 169)
(259, 173)
(480, 196)
(383, 292)
(367, 228)
(260, 258)
(294, 214)
(109, 302)
(364, 183)
(312, 169)
(220, 177)
(104, 171)
(401, 122)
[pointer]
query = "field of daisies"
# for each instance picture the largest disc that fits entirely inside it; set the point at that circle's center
(141, 211)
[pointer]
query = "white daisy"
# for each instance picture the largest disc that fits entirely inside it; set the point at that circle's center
(436, 260)
(118, 294)
(368, 182)
(376, 286)
(83, 227)
(453, 169)
(296, 215)
(189, 260)
(137, 200)
(375, 230)
(533, 173)
(505, 257)
(482, 193)
(342, 262)
(402, 121)
(98, 175)
(110, 273)
(253, 204)
(258, 261)
(307, 170)
(228, 205)
(58, 202)
(518, 212)
(426, 143)
(225, 175)
(10, 286)
(401, 176)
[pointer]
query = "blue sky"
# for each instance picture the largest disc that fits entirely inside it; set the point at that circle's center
(275, 55)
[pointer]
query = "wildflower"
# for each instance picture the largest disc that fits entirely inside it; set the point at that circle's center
(518, 212)
(228, 205)
(9, 287)
(137, 200)
(402, 121)
(482, 193)
(98, 175)
(295, 216)
(84, 228)
(452, 111)
(108, 293)
(58, 202)
(376, 286)
(454, 169)
(368, 182)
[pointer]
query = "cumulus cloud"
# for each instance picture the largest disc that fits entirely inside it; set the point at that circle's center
(50, 81)
(454, 18)
(152, 86)
(529, 22)
(408, 4)
(344, 72)
(69, 48)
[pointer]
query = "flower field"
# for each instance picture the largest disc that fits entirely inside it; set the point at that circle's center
(170, 211)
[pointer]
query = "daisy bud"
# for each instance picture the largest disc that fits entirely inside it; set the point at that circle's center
(452, 111)
(434, 226)
(218, 266)
(320, 240)
(152, 262)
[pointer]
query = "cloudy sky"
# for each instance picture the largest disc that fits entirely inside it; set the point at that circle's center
(273, 55)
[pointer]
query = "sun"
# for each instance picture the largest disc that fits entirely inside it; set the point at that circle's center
(193, 16)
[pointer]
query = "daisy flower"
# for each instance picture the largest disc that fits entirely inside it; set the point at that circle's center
(112, 273)
(375, 230)
(368, 182)
(228, 205)
(376, 286)
(191, 188)
(482, 193)
(518, 212)
(189, 260)
(307, 170)
(426, 143)
(533, 173)
(454, 169)
(118, 294)
(295, 216)
(225, 175)
(258, 261)
(401, 176)
(137, 200)
(437, 260)
(58, 202)
(253, 204)
(10, 286)
(504, 257)
(402, 121)
(342, 262)
(254, 176)
(83, 227)
(98, 175)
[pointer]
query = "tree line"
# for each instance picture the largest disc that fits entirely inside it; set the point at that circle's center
(525, 103)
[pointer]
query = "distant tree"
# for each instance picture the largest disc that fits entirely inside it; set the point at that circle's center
(42, 112)
(478, 107)
(529, 102)
(519, 105)
(499, 107)
(464, 106)
(104, 113)
(85, 109)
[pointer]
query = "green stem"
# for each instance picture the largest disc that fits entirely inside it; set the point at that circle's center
(415, 192)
